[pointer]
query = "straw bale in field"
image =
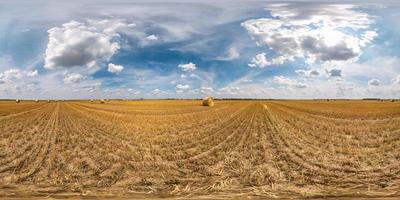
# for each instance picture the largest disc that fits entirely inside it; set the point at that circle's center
(101, 100)
(208, 101)
(17, 101)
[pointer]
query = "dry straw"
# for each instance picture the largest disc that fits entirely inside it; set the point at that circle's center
(17, 101)
(208, 101)
(101, 100)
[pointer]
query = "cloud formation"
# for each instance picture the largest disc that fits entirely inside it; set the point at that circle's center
(152, 37)
(11, 74)
(231, 54)
(206, 90)
(32, 73)
(115, 69)
(72, 78)
(289, 83)
(396, 80)
(189, 67)
(307, 73)
(182, 87)
(374, 82)
(230, 90)
(334, 73)
(260, 60)
(82, 44)
(314, 32)
(158, 92)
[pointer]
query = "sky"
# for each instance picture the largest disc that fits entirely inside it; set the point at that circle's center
(192, 49)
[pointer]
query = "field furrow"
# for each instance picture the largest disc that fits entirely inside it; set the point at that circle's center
(175, 148)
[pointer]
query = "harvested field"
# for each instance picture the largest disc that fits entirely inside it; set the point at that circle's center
(179, 148)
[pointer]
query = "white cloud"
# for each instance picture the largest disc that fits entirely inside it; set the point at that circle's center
(82, 44)
(182, 87)
(381, 67)
(187, 67)
(152, 37)
(32, 73)
(115, 69)
(396, 80)
(231, 90)
(368, 36)
(290, 83)
(134, 92)
(11, 74)
(301, 72)
(158, 92)
(73, 78)
(195, 76)
(231, 54)
(260, 60)
(201, 91)
(31, 87)
(315, 32)
(245, 80)
(206, 90)
(374, 82)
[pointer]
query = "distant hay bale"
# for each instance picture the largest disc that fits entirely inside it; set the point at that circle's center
(17, 100)
(392, 100)
(101, 100)
(48, 101)
(208, 101)
(91, 100)
(37, 101)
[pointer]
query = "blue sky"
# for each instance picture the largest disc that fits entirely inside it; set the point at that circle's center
(187, 49)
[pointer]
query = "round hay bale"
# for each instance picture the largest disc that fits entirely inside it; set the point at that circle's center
(17, 100)
(37, 101)
(392, 100)
(208, 101)
(101, 100)
(91, 100)
(48, 101)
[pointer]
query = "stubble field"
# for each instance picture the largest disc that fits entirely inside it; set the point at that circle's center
(180, 149)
